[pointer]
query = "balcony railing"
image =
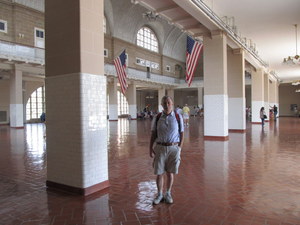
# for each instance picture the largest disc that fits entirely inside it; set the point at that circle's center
(138, 75)
(16, 52)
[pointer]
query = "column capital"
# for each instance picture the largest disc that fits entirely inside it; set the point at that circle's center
(217, 33)
(238, 51)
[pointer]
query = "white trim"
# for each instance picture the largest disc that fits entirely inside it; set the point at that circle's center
(216, 115)
(113, 112)
(16, 115)
(237, 113)
(132, 111)
(255, 111)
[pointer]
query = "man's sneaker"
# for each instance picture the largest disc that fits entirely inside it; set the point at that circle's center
(168, 198)
(158, 199)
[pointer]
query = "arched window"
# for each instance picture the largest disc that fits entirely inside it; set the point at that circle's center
(147, 39)
(36, 104)
(122, 104)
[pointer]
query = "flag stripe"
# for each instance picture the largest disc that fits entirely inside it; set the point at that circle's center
(192, 57)
(120, 65)
(193, 65)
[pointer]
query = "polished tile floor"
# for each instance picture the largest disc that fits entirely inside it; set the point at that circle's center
(254, 178)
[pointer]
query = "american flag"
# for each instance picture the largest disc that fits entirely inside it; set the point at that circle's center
(193, 49)
(120, 64)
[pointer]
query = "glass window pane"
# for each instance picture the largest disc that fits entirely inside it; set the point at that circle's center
(147, 39)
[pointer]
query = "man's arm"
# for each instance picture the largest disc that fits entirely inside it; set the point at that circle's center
(181, 140)
(152, 139)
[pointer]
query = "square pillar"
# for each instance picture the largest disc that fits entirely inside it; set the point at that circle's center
(257, 94)
(161, 93)
(113, 100)
(215, 88)
(236, 91)
(200, 97)
(273, 93)
(16, 109)
(76, 97)
(131, 98)
(266, 95)
(170, 92)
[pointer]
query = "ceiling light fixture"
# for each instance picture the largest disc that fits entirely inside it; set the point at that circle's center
(151, 16)
(296, 82)
(292, 60)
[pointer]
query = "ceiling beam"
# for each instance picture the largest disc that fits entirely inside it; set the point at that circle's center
(182, 18)
(193, 26)
(167, 8)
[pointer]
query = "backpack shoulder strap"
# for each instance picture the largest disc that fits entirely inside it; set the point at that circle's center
(157, 118)
(178, 120)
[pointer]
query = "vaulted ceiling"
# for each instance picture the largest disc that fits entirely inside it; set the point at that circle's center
(268, 25)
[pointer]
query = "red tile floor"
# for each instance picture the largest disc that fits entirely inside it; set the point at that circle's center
(253, 179)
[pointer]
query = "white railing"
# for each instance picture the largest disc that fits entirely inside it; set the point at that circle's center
(12, 51)
(232, 33)
(143, 76)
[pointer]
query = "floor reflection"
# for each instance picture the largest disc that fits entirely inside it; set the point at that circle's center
(250, 179)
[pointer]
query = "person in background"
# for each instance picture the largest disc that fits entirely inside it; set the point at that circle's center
(262, 115)
(275, 111)
(186, 115)
(43, 117)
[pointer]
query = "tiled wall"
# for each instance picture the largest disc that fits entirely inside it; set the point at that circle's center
(77, 129)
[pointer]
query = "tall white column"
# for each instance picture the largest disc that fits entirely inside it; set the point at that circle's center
(215, 88)
(76, 97)
(272, 93)
(161, 93)
(266, 95)
(236, 91)
(277, 96)
(200, 97)
(131, 97)
(16, 100)
(113, 100)
(257, 94)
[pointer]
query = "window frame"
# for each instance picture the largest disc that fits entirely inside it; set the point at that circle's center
(36, 37)
(146, 38)
(5, 26)
(33, 103)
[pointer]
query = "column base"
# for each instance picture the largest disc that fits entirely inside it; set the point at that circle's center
(237, 130)
(216, 138)
(17, 127)
(76, 190)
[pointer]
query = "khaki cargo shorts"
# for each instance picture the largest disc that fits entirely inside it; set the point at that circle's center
(167, 159)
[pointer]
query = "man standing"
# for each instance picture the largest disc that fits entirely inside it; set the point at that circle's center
(167, 131)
